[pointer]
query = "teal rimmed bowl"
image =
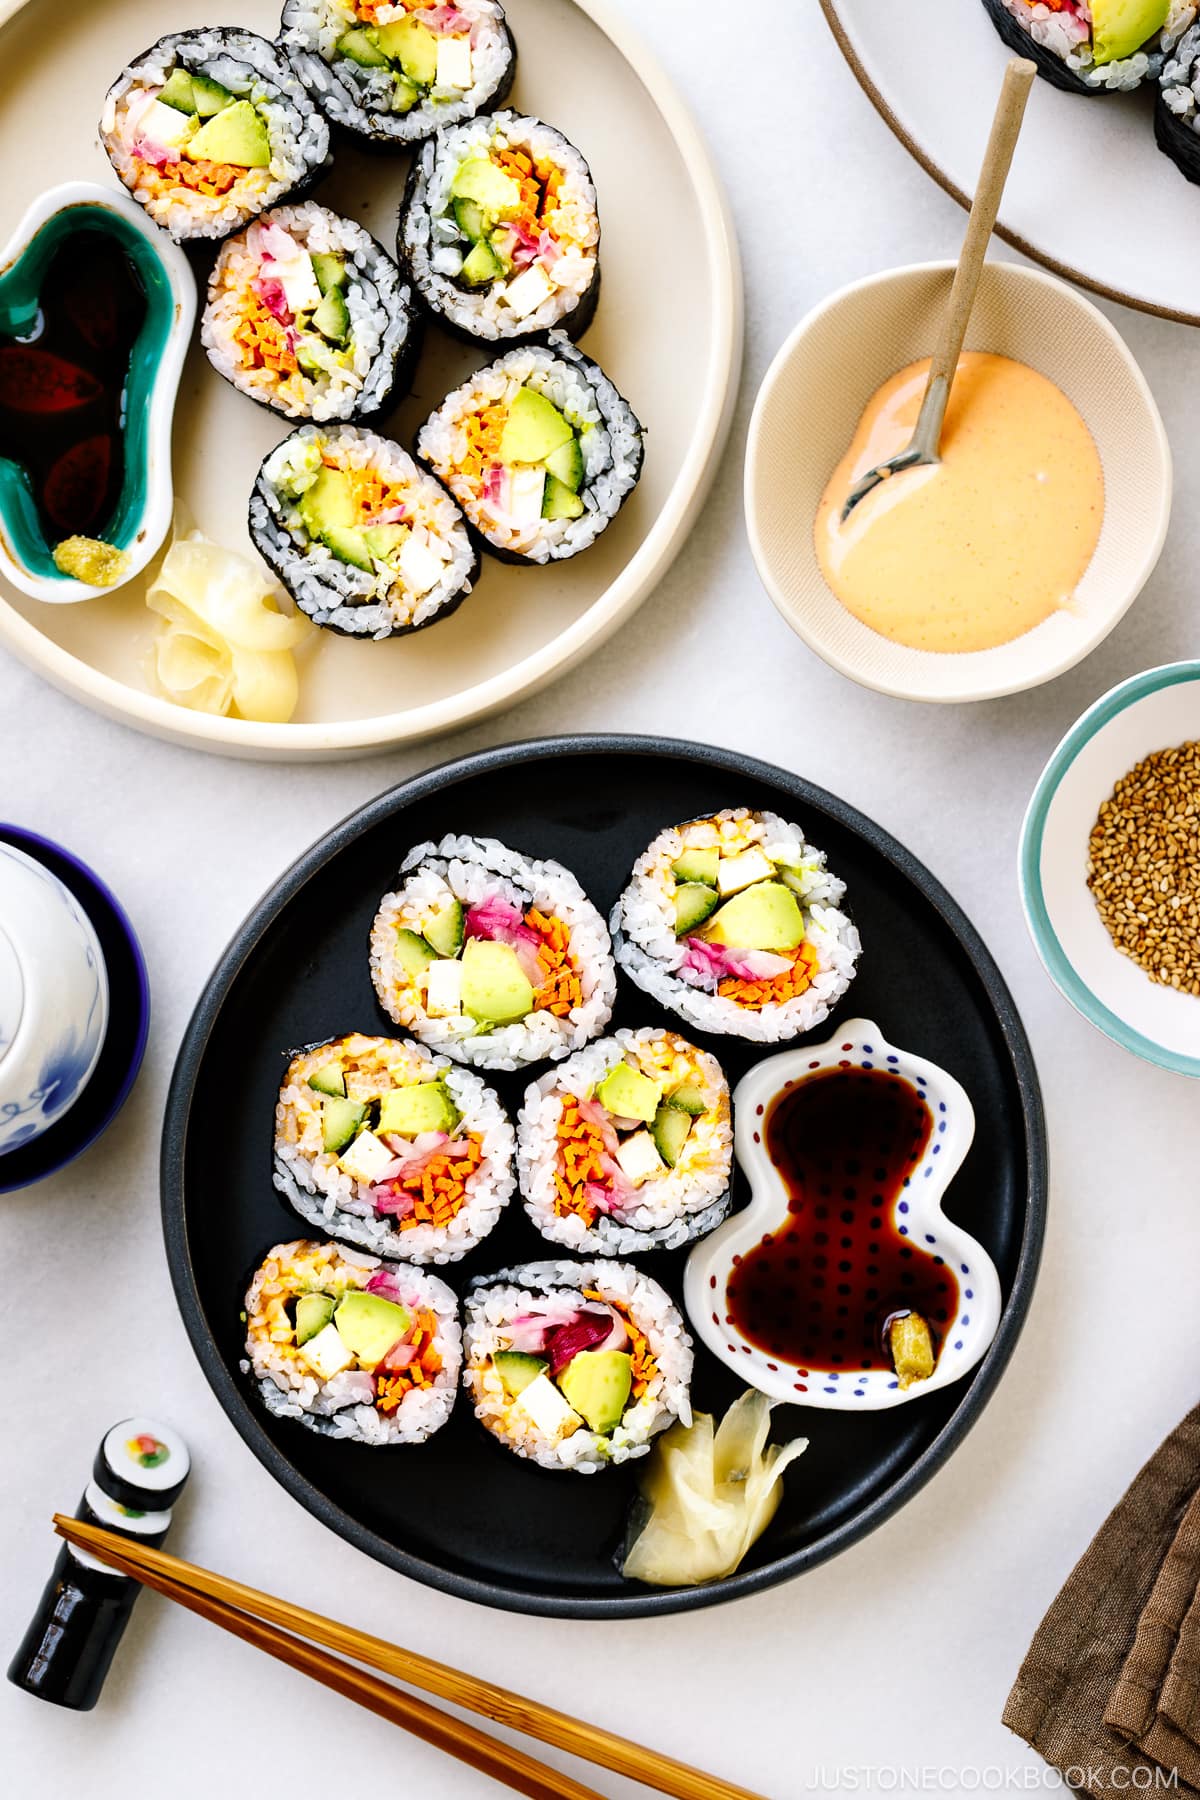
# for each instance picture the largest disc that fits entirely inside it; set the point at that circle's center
(1152, 711)
(143, 510)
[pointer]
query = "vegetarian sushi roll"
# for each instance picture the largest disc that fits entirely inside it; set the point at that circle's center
(392, 73)
(383, 1145)
(307, 314)
(350, 1346)
(1177, 114)
(491, 957)
(539, 449)
(207, 129)
(627, 1146)
(575, 1365)
(363, 539)
(1093, 46)
(499, 229)
(734, 922)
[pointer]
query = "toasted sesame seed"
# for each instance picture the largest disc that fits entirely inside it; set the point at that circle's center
(1144, 866)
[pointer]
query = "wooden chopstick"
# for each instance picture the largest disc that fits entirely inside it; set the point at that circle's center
(503, 1762)
(515, 1711)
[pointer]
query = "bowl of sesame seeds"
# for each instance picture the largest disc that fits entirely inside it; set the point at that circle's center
(1110, 866)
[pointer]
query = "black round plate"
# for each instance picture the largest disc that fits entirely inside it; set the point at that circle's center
(460, 1512)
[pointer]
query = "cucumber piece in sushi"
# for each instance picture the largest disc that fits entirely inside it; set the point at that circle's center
(1093, 46)
(395, 81)
(539, 449)
(494, 958)
(575, 1365)
(383, 1145)
(350, 1346)
(207, 129)
(627, 1146)
(1177, 113)
(767, 955)
(499, 230)
(307, 314)
(365, 541)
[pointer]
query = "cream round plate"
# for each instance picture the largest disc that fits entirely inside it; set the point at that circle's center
(668, 331)
(1128, 227)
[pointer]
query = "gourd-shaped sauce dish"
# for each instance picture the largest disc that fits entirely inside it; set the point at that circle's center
(96, 306)
(843, 1284)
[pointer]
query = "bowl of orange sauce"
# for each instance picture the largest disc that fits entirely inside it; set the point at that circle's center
(1014, 556)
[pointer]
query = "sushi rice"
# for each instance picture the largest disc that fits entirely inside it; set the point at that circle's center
(543, 940)
(595, 1178)
(275, 143)
(392, 73)
(687, 960)
(523, 1310)
(400, 1397)
(366, 542)
(499, 229)
(539, 449)
(307, 314)
(428, 1194)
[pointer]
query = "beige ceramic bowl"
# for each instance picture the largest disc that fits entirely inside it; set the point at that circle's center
(813, 396)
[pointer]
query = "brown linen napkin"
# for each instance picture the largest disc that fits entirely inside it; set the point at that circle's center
(1180, 1699)
(1075, 1662)
(1138, 1710)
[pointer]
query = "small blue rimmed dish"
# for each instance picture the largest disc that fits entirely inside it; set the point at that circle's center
(128, 1020)
(1156, 710)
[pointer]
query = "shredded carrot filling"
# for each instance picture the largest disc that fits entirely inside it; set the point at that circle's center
(483, 431)
(392, 1386)
(773, 992)
(441, 1188)
(263, 340)
(580, 1149)
(562, 990)
(644, 1368)
(203, 177)
(371, 492)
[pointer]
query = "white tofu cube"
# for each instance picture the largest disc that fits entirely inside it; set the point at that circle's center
(366, 1158)
(326, 1354)
(737, 872)
(166, 125)
(443, 996)
(420, 569)
(454, 62)
(639, 1158)
(526, 293)
(299, 284)
(546, 1409)
(525, 490)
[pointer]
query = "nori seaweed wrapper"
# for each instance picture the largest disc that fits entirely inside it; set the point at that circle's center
(1050, 67)
(1175, 132)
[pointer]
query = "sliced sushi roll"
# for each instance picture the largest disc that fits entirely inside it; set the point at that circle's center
(499, 230)
(734, 922)
(207, 129)
(365, 541)
(307, 314)
(627, 1146)
(391, 74)
(575, 1365)
(1177, 113)
(491, 957)
(1093, 46)
(350, 1346)
(539, 449)
(384, 1145)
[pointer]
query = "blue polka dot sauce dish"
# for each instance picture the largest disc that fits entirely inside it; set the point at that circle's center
(1158, 710)
(844, 1256)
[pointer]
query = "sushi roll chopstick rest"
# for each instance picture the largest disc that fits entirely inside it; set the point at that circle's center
(140, 1471)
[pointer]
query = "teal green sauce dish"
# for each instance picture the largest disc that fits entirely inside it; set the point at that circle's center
(1157, 710)
(139, 514)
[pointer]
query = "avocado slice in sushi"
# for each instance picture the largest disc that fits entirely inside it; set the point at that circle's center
(495, 988)
(480, 180)
(412, 1110)
(370, 1325)
(413, 46)
(327, 504)
(1121, 27)
(234, 135)
(597, 1383)
(628, 1094)
(533, 430)
(313, 1313)
(763, 917)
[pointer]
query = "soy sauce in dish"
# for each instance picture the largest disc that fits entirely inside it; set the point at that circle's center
(62, 387)
(818, 1291)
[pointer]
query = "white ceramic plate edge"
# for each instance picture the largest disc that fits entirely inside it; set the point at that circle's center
(241, 737)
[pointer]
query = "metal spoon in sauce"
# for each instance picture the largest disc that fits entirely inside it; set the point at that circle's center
(997, 160)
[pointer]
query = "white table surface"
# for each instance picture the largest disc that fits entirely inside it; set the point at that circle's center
(796, 1689)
